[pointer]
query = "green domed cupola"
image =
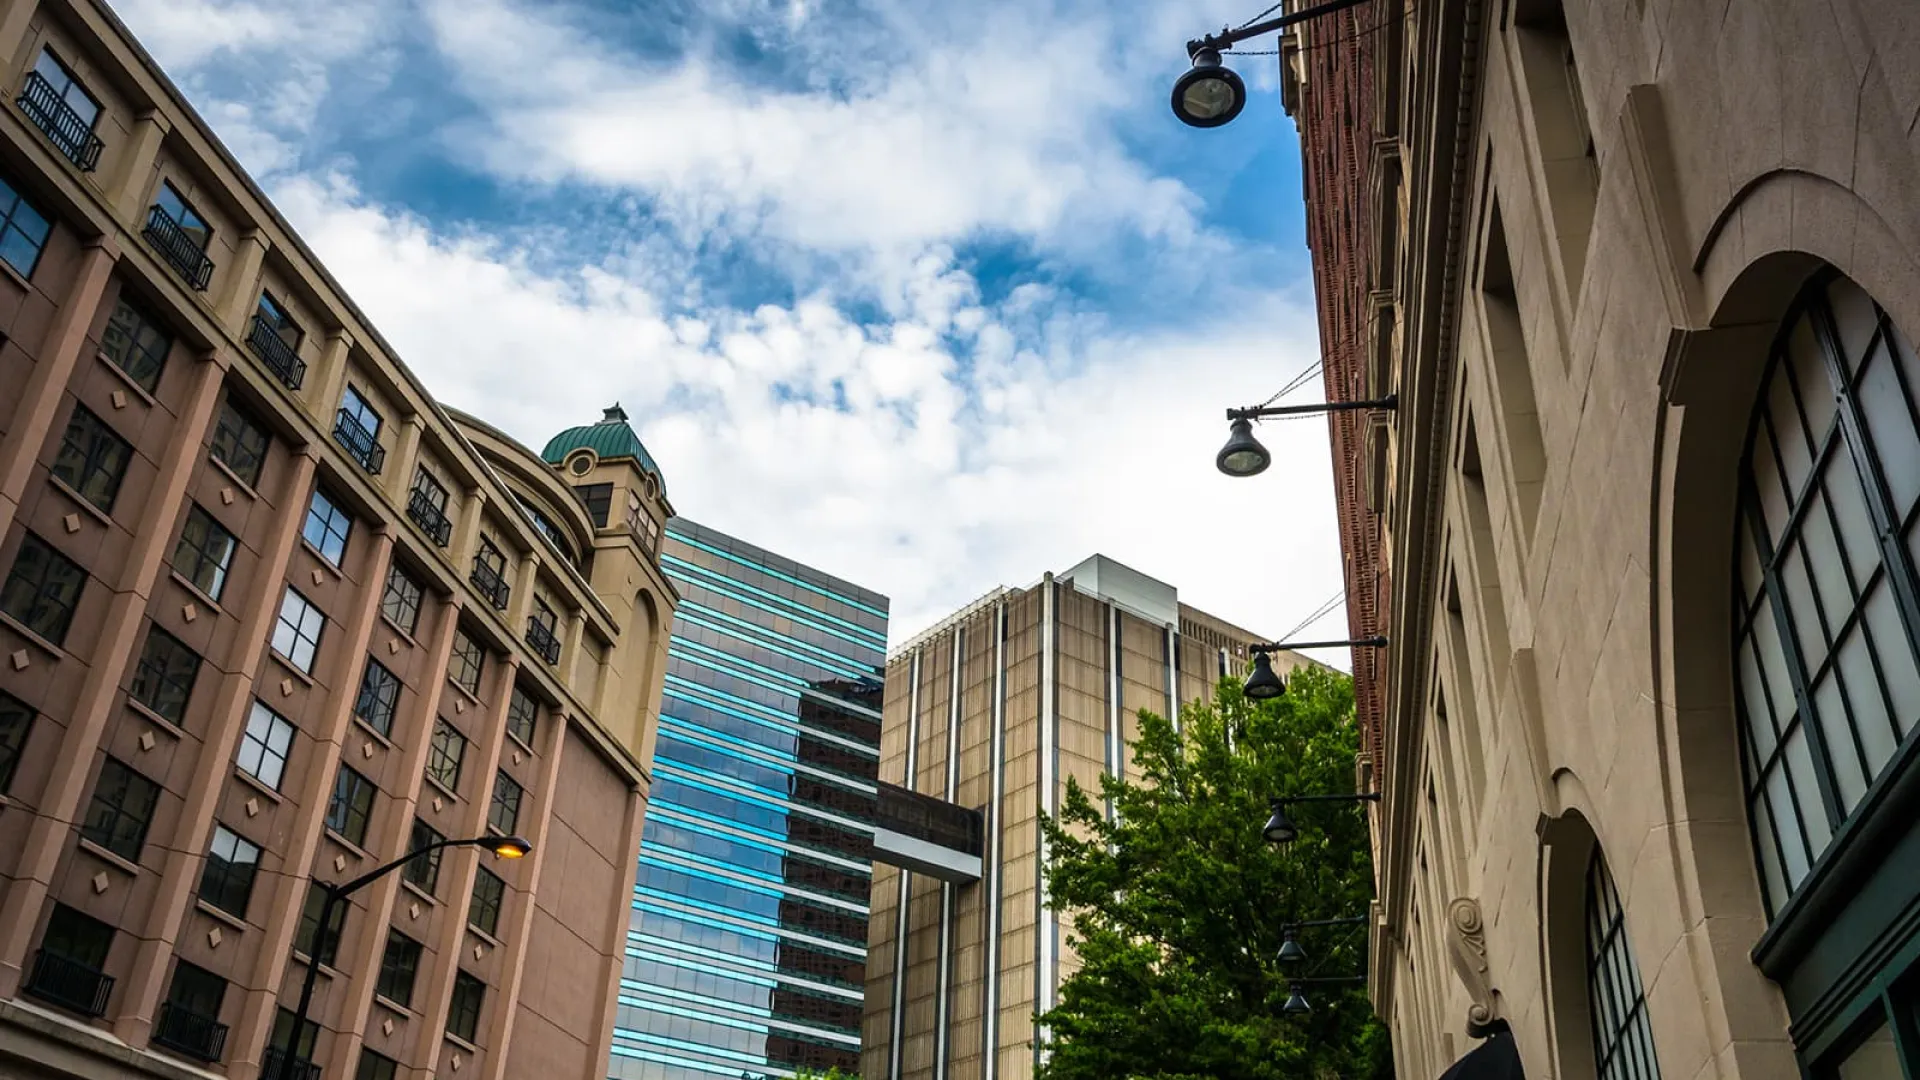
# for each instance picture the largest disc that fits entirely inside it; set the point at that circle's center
(610, 439)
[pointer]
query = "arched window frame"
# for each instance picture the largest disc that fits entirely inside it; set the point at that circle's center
(1616, 999)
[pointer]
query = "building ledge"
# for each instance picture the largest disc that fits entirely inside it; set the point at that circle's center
(62, 1047)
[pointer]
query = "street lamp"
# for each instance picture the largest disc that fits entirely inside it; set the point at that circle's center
(505, 847)
(1297, 1004)
(1290, 950)
(1281, 830)
(1244, 456)
(1264, 684)
(1209, 94)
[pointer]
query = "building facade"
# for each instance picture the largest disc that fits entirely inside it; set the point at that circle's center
(1644, 280)
(748, 942)
(994, 709)
(269, 615)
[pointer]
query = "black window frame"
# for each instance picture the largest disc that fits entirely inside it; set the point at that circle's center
(427, 501)
(12, 203)
(226, 881)
(204, 553)
(375, 1066)
(448, 747)
(598, 499)
(309, 923)
(298, 630)
(504, 806)
(485, 902)
(401, 607)
(16, 727)
(163, 677)
(328, 526)
(1616, 1000)
(523, 715)
(137, 343)
(92, 459)
(379, 697)
(183, 215)
(47, 100)
(355, 435)
(189, 1019)
(423, 870)
(467, 664)
(464, 1005)
(121, 809)
(41, 603)
(350, 806)
(399, 968)
(239, 442)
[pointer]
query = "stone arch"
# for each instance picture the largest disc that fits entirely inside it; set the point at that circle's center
(1567, 845)
(647, 650)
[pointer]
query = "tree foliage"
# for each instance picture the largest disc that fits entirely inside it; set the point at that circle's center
(1177, 904)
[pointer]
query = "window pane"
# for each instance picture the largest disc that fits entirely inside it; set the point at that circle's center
(1848, 500)
(136, 344)
(1876, 1058)
(1753, 703)
(327, 527)
(239, 443)
(163, 679)
(445, 755)
(397, 967)
(1848, 772)
(204, 553)
(1807, 791)
(122, 808)
(424, 870)
(1801, 612)
(92, 459)
(1767, 484)
(1854, 317)
(378, 698)
(42, 589)
(1789, 436)
(16, 721)
(1789, 820)
(1896, 441)
(227, 880)
(1897, 660)
(264, 747)
(400, 602)
(297, 635)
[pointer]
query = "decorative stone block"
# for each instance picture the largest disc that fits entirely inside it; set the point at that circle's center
(393, 645)
(190, 612)
(286, 687)
(146, 740)
(339, 862)
(479, 952)
(100, 882)
(439, 804)
(226, 495)
(413, 910)
(459, 705)
(318, 577)
(366, 749)
(119, 399)
(516, 757)
(386, 1026)
(213, 938)
(72, 522)
(253, 807)
(20, 659)
(455, 1062)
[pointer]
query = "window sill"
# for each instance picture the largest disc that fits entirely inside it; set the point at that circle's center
(419, 893)
(491, 941)
(461, 1043)
(142, 710)
(325, 969)
(142, 392)
(114, 859)
(219, 915)
(291, 667)
(394, 1007)
(371, 732)
(472, 698)
(434, 783)
(353, 849)
(397, 629)
(245, 488)
(521, 743)
(198, 593)
(79, 500)
(257, 785)
(326, 564)
(18, 278)
(33, 638)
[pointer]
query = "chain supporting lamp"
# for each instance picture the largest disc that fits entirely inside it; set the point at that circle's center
(1280, 828)
(1265, 684)
(1244, 456)
(1210, 94)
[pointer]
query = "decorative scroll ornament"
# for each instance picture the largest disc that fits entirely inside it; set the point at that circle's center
(1467, 949)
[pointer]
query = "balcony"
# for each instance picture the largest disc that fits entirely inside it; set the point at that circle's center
(431, 518)
(69, 132)
(277, 1064)
(362, 445)
(200, 1037)
(491, 585)
(178, 249)
(540, 636)
(273, 351)
(69, 984)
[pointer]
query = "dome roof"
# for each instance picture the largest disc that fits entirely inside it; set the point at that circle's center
(611, 438)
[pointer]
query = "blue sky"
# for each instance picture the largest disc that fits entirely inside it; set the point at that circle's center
(934, 296)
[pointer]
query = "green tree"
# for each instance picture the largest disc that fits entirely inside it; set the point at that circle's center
(1177, 903)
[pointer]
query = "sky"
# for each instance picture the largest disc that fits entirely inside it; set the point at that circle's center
(932, 296)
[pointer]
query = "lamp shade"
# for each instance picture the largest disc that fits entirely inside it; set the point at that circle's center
(1209, 94)
(1290, 950)
(1263, 684)
(1280, 829)
(1296, 1004)
(509, 847)
(1243, 455)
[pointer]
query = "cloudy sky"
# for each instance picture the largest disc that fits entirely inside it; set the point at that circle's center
(934, 296)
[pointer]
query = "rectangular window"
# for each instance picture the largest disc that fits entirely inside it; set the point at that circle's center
(69, 971)
(483, 910)
(23, 231)
(42, 589)
(445, 755)
(424, 870)
(92, 459)
(467, 660)
(490, 574)
(379, 696)
(272, 313)
(504, 813)
(1569, 165)
(310, 925)
(351, 806)
(427, 506)
(122, 808)
(357, 429)
(232, 862)
(523, 715)
(16, 720)
(289, 1053)
(376, 1067)
(163, 680)
(400, 602)
(180, 235)
(63, 109)
(397, 968)
(327, 526)
(541, 631)
(136, 343)
(189, 1020)
(265, 746)
(185, 218)
(239, 443)
(205, 552)
(463, 1012)
(297, 635)
(598, 499)
(1512, 369)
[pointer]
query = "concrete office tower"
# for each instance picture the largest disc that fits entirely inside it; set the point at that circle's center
(269, 613)
(995, 708)
(749, 925)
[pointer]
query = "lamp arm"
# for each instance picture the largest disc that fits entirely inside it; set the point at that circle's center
(348, 888)
(1377, 641)
(1227, 38)
(1255, 412)
(1365, 796)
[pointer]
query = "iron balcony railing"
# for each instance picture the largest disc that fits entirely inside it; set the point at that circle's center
(490, 583)
(177, 248)
(362, 444)
(541, 638)
(189, 1032)
(69, 984)
(69, 132)
(277, 1064)
(431, 518)
(273, 351)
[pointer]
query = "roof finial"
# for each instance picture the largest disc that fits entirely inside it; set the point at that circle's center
(616, 413)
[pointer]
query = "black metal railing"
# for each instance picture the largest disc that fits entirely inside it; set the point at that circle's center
(363, 445)
(540, 636)
(490, 583)
(189, 1032)
(177, 248)
(70, 133)
(69, 984)
(273, 351)
(431, 518)
(278, 1064)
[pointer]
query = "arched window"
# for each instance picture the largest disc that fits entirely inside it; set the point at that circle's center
(1826, 614)
(1622, 1036)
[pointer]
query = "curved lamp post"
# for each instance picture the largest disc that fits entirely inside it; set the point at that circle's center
(1244, 456)
(1264, 683)
(1209, 94)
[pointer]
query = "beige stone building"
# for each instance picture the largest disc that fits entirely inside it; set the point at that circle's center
(1643, 275)
(270, 615)
(993, 709)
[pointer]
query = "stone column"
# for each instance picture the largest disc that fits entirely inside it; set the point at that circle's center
(621, 920)
(514, 937)
(239, 291)
(327, 379)
(14, 21)
(127, 187)
(398, 477)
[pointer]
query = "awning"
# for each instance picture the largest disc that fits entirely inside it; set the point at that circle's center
(1495, 1059)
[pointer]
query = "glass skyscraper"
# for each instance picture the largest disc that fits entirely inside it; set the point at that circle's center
(747, 949)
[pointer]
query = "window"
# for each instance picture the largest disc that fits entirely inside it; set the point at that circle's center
(598, 499)
(69, 970)
(185, 218)
(483, 910)
(357, 429)
(42, 589)
(16, 720)
(379, 694)
(327, 527)
(239, 443)
(180, 235)
(504, 814)
(23, 231)
(397, 969)
(205, 552)
(189, 1019)
(1827, 675)
(427, 506)
(297, 635)
(289, 1054)
(1622, 1033)
(163, 680)
(136, 343)
(400, 602)
(376, 1067)
(465, 664)
(59, 106)
(490, 574)
(424, 870)
(232, 862)
(264, 748)
(270, 311)
(92, 459)
(121, 810)
(350, 806)
(310, 924)
(1559, 110)
(444, 756)
(463, 1012)
(522, 715)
